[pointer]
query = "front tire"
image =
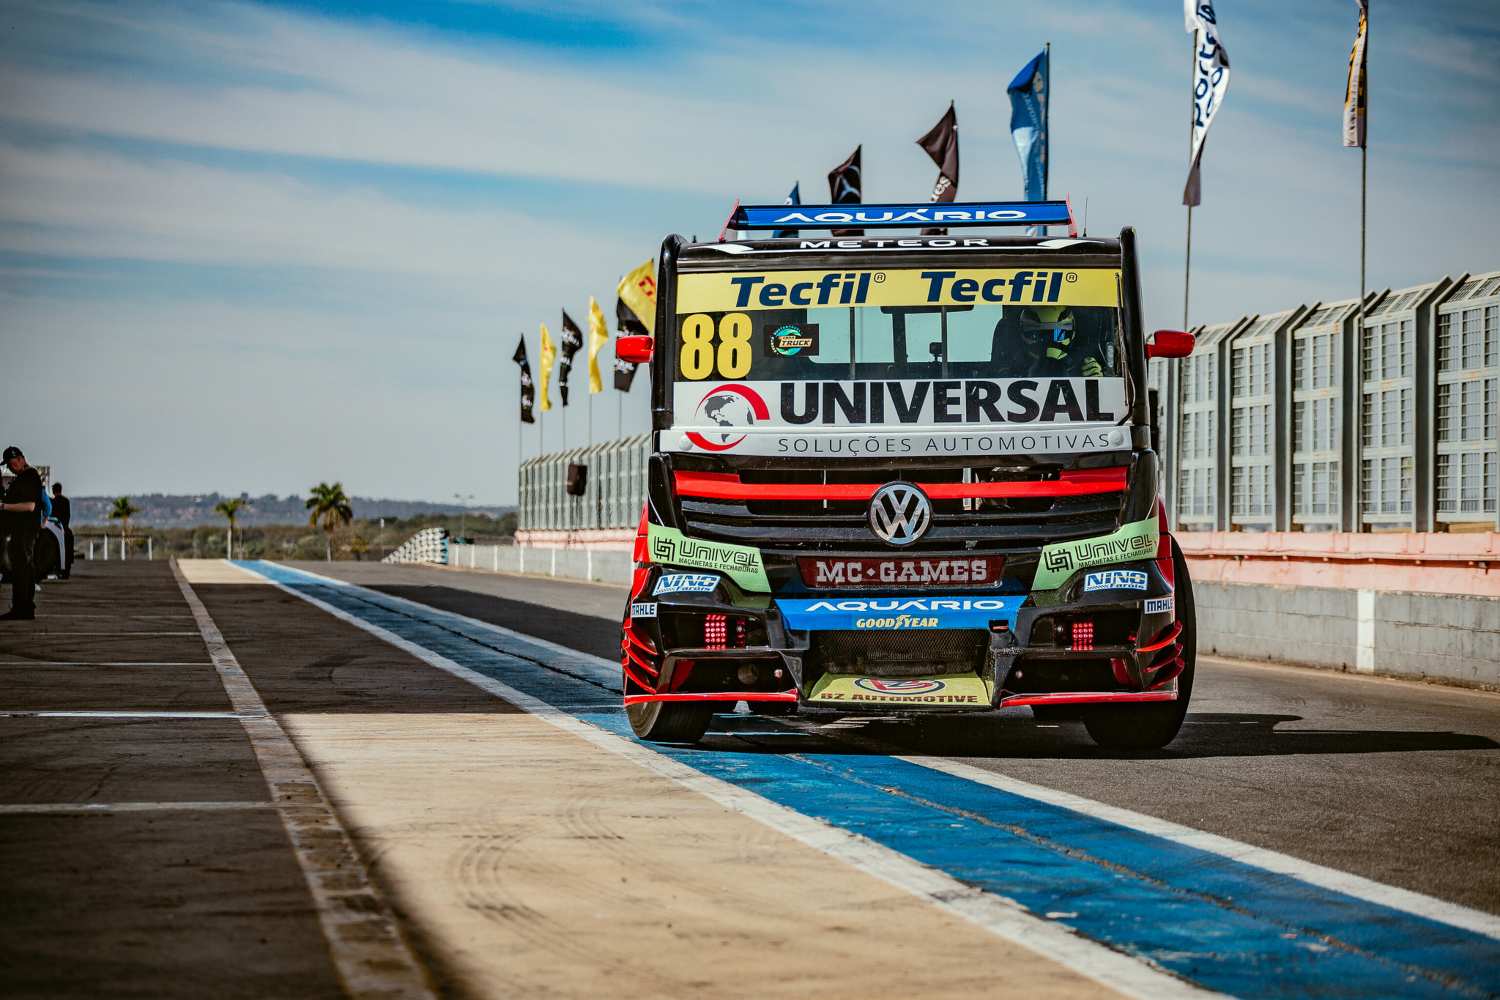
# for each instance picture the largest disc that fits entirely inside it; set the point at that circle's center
(670, 722)
(1153, 726)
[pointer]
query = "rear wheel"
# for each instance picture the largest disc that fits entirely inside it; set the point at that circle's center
(1152, 726)
(670, 722)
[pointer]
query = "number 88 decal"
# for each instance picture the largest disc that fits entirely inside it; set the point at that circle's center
(699, 359)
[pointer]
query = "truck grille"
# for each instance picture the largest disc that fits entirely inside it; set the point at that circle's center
(917, 653)
(1007, 524)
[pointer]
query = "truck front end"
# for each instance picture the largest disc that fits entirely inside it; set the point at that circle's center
(904, 475)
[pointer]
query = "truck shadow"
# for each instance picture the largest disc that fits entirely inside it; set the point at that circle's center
(1014, 736)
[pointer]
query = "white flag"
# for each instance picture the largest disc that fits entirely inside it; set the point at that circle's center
(1354, 90)
(1210, 82)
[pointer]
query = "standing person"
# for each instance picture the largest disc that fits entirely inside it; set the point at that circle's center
(18, 521)
(62, 510)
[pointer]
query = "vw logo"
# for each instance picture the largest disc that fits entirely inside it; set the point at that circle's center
(900, 513)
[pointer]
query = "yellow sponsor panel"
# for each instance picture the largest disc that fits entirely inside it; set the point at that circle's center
(742, 290)
(946, 691)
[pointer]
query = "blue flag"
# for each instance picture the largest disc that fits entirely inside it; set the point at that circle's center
(1028, 125)
(793, 198)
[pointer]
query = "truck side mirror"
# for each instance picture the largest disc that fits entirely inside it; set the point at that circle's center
(1169, 344)
(635, 349)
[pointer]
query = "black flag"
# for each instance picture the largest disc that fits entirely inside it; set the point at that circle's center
(846, 186)
(941, 143)
(629, 326)
(572, 340)
(528, 388)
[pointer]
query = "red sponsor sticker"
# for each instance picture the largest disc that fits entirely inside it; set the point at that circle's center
(878, 571)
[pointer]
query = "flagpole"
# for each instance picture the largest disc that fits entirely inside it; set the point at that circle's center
(1047, 125)
(1364, 145)
(1187, 257)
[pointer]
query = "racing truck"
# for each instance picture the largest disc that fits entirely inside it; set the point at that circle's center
(905, 473)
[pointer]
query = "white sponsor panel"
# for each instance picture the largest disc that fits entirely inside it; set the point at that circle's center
(1074, 440)
(1114, 579)
(1157, 605)
(643, 609)
(907, 417)
(687, 583)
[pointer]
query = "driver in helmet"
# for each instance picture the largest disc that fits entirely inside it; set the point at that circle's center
(1048, 338)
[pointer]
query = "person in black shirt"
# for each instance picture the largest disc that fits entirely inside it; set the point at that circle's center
(62, 510)
(19, 522)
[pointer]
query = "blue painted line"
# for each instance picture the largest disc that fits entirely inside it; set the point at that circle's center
(1225, 925)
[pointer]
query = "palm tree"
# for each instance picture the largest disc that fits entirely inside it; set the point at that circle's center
(330, 506)
(231, 510)
(122, 511)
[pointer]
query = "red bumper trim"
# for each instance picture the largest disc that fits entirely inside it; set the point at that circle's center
(635, 699)
(727, 486)
(1087, 698)
(1173, 631)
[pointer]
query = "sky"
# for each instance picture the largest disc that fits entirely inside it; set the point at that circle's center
(253, 246)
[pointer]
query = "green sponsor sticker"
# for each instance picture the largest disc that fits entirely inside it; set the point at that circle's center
(740, 563)
(1136, 540)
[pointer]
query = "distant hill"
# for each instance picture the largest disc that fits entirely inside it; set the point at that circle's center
(168, 511)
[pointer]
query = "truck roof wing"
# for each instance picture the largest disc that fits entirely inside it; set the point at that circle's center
(898, 216)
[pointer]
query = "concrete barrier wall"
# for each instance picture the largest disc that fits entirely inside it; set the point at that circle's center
(1434, 636)
(1440, 636)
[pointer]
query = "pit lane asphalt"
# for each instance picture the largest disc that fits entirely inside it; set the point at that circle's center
(1394, 781)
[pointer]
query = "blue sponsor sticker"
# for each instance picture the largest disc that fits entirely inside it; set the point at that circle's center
(1158, 605)
(1114, 579)
(900, 613)
(643, 609)
(687, 583)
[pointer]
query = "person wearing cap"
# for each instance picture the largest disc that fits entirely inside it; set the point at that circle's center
(1047, 335)
(18, 523)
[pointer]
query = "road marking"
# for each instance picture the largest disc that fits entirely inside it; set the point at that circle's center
(49, 633)
(1349, 884)
(87, 808)
(106, 663)
(69, 713)
(1000, 916)
(367, 948)
(1235, 926)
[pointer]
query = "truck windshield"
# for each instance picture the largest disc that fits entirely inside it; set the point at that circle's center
(899, 332)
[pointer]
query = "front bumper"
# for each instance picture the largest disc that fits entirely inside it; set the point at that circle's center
(1070, 646)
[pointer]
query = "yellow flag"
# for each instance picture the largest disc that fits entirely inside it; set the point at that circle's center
(638, 291)
(598, 337)
(549, 355)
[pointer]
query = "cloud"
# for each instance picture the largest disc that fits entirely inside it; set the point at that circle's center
(226, 224)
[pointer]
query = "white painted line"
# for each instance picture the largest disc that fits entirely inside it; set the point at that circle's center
(91, 808)
(1364, 657)
(68, 713)
(367, 948)
(1003, 917)
(1272, 861)
(1356, 886)
(106, 663)
(49, 633)
(599, 669)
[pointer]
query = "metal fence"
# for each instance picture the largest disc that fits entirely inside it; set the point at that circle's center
(613, 495)
(1296, 420)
